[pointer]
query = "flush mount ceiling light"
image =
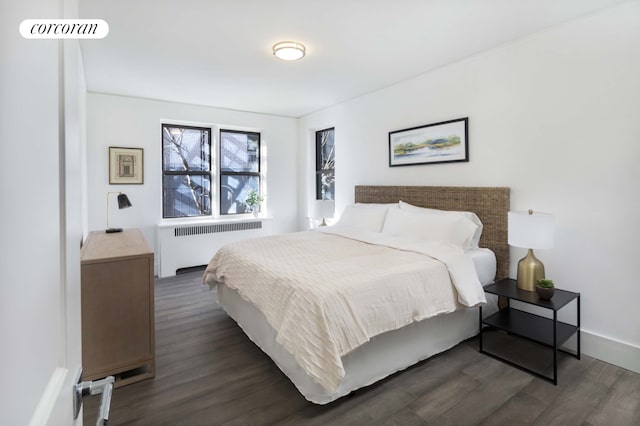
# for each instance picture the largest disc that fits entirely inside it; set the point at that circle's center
(289, 50)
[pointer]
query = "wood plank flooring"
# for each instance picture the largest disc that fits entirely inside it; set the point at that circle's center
(209, 373)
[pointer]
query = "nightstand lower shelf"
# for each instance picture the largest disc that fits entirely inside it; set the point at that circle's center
(530, 326)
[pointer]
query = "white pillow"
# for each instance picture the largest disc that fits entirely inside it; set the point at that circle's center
(447, 229)
(475, 240)
(368, 219)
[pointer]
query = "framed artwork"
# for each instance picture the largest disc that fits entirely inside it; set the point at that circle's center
(125, 166)
(444, 142)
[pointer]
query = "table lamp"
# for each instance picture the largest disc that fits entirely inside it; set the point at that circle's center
(530, 230)
(323, 209)
(123, 203)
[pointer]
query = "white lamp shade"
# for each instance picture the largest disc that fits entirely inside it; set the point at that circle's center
(323, 209)
(531, 231)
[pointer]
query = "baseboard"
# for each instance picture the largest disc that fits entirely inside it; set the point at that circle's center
(609, 350)
(49, 398)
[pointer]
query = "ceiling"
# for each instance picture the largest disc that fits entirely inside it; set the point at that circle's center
(218, 52)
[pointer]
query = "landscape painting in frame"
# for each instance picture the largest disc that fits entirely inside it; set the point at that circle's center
(444, 142)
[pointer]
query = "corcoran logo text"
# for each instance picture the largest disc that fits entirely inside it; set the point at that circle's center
(64, 28)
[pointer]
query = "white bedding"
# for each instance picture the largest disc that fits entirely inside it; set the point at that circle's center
(485, 262)
(327, 293)
(383, 355)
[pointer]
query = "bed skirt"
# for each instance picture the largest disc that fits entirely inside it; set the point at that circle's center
(383, 355)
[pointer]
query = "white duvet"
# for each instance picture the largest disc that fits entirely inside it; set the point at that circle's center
(326, 293)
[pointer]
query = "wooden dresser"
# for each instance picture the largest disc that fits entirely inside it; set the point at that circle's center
(118, 335)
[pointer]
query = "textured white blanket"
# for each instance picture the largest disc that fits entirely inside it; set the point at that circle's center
(326, 293)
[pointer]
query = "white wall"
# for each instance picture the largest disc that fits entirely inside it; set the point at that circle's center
(31, 231)
(555, 117)
(132, 122)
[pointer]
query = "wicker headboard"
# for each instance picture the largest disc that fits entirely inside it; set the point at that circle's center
(491, 204)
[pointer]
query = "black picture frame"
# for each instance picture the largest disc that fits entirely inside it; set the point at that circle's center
(443, 142)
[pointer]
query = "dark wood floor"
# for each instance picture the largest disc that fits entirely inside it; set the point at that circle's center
(208, 373)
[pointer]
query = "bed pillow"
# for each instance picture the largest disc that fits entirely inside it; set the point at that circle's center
(456, 230)
(475, 240)
(364, 218)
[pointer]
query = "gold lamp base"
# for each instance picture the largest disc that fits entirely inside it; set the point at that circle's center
(530, 270)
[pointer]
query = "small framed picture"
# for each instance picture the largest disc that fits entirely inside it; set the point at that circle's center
(444, 142)
(126, 166)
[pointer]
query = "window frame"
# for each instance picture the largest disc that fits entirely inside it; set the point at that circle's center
(222, 173)
(208, 173)
(319, 169)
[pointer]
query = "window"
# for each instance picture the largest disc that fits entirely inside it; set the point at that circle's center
(186, 171)
(239, 169)
(325, 165)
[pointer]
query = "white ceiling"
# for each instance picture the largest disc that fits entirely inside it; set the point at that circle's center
(218, 52)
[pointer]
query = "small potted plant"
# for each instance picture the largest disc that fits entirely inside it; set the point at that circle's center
(253, 201)
(545, 288)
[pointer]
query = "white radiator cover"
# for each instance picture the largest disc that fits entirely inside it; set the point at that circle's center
(183, 245)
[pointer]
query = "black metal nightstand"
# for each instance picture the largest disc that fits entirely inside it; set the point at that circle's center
(545, 331)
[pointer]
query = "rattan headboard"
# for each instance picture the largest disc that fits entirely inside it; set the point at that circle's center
(491, 204)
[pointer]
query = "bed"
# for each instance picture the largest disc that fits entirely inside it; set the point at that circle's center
(371, 350)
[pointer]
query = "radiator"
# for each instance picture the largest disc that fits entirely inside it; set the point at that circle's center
(187, 245)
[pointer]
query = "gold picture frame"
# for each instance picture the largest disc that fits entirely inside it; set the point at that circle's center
(126, 166)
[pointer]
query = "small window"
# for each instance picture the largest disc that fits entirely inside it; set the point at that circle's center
(239, 169)
(186, 171)
(325, 165)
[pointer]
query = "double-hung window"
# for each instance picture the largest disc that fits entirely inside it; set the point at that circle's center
(186, 171)
(239, 169)
(325, 164)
